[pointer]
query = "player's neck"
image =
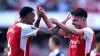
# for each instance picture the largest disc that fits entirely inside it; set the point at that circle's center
(55, 48)
(98, 50)
(23, 21)
(84, 25)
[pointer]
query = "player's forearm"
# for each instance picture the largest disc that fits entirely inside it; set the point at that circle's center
(67, 29)
(54, 30)
(64, 22)
(47, 21)
(37, 22)
(48, 33)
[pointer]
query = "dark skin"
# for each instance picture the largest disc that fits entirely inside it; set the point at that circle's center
(39, 17)
(29, 19)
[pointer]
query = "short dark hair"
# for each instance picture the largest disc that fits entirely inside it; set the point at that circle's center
(56, 40)
(79, 12)
(24, 11)
(97, 40)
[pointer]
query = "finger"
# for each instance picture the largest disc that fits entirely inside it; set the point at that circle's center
(68, 17)
(40, 8)
(37, 6)
(51, 19)
(68, 14)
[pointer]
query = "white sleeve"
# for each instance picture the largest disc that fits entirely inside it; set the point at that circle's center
(29, 30)
(93, 53)
(88, 33)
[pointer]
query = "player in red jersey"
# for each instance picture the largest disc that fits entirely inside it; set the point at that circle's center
(96, 51)
(20, 32)
(81, 36)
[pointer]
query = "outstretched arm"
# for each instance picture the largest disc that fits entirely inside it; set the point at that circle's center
(69, 30)
(49, 32)
(61, 32)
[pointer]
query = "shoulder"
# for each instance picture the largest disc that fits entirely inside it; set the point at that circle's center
(60, 54)
(50, 54)
(26, 26)
(88, 33)
(93, 52)
(88, 29)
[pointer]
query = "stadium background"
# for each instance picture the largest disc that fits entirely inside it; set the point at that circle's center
(54, 8)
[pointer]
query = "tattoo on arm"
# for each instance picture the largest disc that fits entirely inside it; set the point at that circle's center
(37, 22)
(49, 32)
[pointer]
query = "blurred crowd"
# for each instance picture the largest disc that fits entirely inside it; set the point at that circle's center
(52, 5)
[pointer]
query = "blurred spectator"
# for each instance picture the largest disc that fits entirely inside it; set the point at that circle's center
(2, 4)
(89, 5)
(97, 2)
(96, 51)
(1, 42)
(64, 5)
(1, 38)
(11, 4)
(5, 51)
(41, 2)
(34, 50)
(30, 3)
(54, 44)
(50, 5)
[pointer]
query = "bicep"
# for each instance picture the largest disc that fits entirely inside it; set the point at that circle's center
(78, 32)
(88, 33)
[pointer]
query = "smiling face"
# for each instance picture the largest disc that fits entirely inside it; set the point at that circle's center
(78, 22)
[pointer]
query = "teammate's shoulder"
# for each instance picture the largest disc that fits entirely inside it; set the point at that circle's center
(93, 52)
(24, 26)
(88, 29)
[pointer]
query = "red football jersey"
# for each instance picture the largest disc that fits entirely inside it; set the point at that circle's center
(94, 53)
(81, 46)
(18, 37)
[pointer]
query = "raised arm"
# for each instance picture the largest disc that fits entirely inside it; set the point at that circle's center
(37, 22)
(45, 18)
(39, 17)
(49, 23)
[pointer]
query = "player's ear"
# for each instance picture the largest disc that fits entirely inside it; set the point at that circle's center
(83, 18)
(27, 16)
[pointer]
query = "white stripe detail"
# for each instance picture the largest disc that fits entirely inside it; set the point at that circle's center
(88, 36)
